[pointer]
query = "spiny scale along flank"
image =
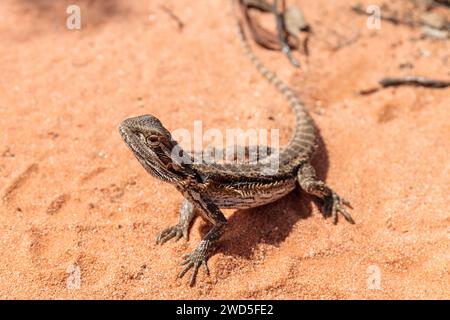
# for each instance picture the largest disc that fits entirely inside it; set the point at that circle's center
(303, 142)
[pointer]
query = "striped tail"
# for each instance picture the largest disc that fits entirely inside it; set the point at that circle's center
(303, 142)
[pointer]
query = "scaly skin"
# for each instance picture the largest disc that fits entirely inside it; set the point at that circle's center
(208, 187)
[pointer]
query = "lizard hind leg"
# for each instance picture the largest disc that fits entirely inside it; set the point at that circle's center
(332, 202)
(181, 229)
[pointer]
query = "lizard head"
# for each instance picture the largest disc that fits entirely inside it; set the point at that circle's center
(153, 146)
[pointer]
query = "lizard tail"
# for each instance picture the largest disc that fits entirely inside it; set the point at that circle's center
(303, 142)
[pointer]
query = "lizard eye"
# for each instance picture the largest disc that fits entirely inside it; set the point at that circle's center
(153, 139)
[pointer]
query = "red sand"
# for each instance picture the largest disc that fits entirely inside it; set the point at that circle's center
(74, 196)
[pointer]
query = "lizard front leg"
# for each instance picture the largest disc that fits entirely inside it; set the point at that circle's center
(332, 202)
(200, 255)
(181, 229)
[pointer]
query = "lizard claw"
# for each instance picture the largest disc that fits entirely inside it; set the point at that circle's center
(334, 204)
(177, 231)
(194, 260)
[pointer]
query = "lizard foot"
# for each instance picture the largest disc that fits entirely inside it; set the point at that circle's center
(194, 260)
(177, 231)
(334, 204)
